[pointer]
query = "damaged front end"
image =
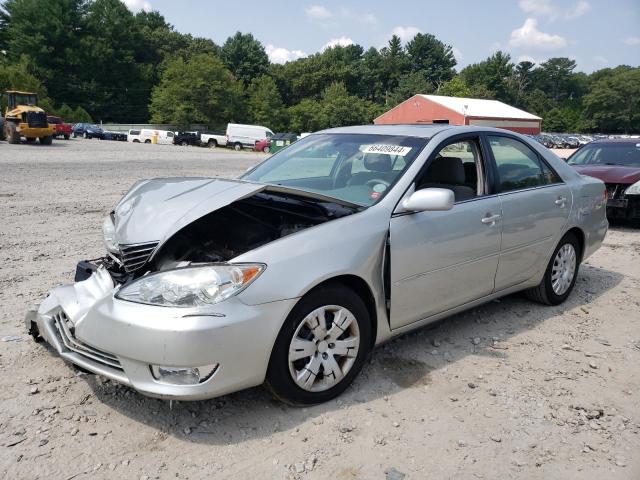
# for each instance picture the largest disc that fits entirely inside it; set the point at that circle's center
(162, 344)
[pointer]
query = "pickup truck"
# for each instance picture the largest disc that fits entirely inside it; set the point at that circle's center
(186, 138)
(61, 129)
(213, 139)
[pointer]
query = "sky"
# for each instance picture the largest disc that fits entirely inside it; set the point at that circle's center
(595, 33)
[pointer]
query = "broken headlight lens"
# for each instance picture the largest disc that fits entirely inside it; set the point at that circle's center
(191, 286)
(109, 235)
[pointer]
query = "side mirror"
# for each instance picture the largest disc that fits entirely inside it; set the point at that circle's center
(429, 200)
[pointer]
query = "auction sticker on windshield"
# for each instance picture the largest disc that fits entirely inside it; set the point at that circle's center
(387, 149)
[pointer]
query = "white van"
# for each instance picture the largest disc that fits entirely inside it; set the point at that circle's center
(165, 137)
(133, 136)
(240, 136)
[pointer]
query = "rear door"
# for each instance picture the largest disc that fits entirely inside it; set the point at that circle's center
(535, 207)
(441, 260)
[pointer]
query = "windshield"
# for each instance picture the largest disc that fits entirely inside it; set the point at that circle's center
(626, 154)
(24, 99)
(355, 168)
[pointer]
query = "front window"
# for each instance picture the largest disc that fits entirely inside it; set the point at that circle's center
(30, 99)
(625, 154)
(355, 168)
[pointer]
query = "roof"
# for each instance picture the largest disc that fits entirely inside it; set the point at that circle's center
(616, 140)
(476, 107)
(20, 92)
(424, 131)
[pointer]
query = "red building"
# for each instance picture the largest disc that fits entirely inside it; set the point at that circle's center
(425, 109)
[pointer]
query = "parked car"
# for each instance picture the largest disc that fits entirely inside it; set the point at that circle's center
(163, 137)
(213, 139)
(617, 163)
(87, 130)
(245, 136)
(263, 145)
(186, 139)
(133, 135)
(61, 129)
(115, 136)
(335, 244)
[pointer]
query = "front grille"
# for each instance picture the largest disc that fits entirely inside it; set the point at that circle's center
(134, 257)
(616, 190)
(37, 119)
(66, 332)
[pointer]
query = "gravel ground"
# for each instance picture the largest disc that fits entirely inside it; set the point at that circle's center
(508, 390)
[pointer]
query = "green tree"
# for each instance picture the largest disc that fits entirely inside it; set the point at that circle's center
(431, 57)
(265, 104)
(305, 116)
(613, 105)
(409, 85)
(198, 90)
(455, 88)
(394, 64)
(556, 76)
(47, 34)
(245, 57)
(492, 75)
(338, 108)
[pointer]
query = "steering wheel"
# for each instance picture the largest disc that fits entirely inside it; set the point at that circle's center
(375, 181)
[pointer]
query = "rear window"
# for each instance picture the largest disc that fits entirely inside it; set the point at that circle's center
(624, 154)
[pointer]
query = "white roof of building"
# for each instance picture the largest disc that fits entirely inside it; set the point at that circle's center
(475, 107)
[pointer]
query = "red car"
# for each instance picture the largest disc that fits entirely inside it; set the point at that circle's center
(617, 163)
(263, 145)
(61, 129)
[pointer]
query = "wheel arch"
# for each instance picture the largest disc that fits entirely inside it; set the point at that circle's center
(362, 289)
(579, 234)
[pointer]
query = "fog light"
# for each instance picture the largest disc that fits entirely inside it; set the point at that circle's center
(183, 375)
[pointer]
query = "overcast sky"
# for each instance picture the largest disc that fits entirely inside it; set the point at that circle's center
(596, 33)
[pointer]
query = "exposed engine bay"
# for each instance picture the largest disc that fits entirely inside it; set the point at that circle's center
(225, 233)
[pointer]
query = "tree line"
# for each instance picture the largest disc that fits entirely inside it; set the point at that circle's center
(96, 60)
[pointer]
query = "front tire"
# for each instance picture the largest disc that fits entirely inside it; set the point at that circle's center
(46, 140)
(12, 134)
(66, 137)
(561, 273)
(321, 347)
(266, 149)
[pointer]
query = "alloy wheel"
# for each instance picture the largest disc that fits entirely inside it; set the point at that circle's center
(563, 269)
(324, 348)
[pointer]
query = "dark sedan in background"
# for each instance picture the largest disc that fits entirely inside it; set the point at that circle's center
(87, 130)
(617, 163)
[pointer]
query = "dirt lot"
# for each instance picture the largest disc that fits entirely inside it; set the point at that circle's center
(508, 390)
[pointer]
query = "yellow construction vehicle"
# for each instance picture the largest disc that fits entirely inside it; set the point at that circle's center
(23, 118)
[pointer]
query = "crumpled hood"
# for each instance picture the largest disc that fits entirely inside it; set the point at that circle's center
(153, 210)
(610, 173)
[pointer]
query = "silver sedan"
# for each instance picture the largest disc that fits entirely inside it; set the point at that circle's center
(291, 274)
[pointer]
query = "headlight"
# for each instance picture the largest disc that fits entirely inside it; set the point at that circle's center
(633, 189)
(191, 286)
(109, 234)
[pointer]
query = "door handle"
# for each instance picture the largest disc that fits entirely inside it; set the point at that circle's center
(561, 201)
(491, 220)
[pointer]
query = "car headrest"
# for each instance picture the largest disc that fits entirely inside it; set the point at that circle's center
(377, 162)
(447, 170)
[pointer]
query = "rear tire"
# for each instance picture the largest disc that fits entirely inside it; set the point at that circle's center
(212, 143)
(237, 146)
(561, 273)
(46, 140)
(184, 143)
(326, 351)
(11, 133)
(66, 137)
(266, 149)
(147, 141)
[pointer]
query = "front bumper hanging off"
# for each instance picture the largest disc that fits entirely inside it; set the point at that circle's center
(130, 342)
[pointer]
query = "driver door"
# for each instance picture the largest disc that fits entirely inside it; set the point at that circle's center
(441, 260)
